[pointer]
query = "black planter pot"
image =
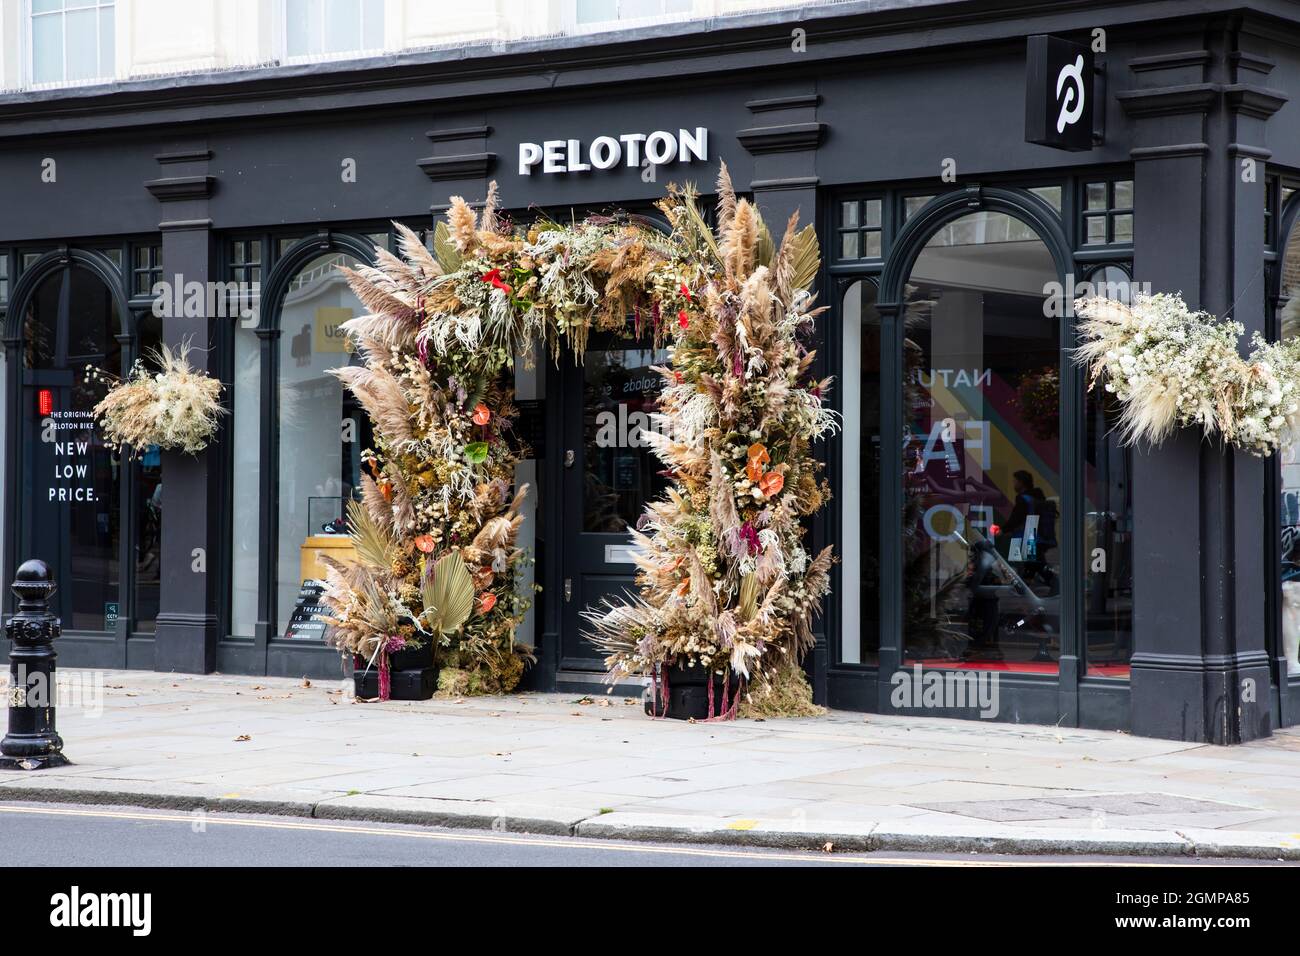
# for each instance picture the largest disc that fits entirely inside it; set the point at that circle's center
(412, 673)
(688, 694)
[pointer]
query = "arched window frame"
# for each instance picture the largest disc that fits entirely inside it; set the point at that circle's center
(48, 265)
(273, 290)
(905, 249)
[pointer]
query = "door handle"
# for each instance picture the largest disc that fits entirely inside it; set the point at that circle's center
(568, 458)
(568, 590)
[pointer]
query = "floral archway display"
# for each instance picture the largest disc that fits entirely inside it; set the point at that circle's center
(727, 589)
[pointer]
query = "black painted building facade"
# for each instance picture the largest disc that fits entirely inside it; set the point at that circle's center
(1137, 589)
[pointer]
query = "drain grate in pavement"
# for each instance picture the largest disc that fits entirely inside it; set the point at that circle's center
(1067, 808)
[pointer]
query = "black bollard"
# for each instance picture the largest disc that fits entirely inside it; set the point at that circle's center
(32, 742)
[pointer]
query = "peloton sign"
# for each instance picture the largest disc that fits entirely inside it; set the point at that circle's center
(632, 150)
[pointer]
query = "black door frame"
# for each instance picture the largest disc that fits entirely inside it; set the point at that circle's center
(82, 648)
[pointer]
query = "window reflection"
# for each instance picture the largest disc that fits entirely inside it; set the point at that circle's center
(981, 407)
(1107, 519)
(319, 454)
(860, 542)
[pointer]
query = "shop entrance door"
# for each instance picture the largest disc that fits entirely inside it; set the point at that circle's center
(610, 474)
(70, 507)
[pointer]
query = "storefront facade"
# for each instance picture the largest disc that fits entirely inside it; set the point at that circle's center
(1149, 587)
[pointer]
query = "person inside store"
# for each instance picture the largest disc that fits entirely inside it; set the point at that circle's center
(1030, 500)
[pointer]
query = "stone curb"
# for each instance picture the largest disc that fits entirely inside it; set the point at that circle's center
(673, 828)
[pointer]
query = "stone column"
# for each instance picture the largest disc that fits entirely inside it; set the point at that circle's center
(186, 639)
(1200, 668)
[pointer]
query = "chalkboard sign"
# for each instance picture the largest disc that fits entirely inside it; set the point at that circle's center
(306, 621)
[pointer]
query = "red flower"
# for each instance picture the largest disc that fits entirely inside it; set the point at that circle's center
(494, 276)
(424, 542)
(482, 414)
(686, 292)
(486, 602)
(682, 319)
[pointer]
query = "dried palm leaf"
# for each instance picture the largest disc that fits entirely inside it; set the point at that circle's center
(448, 594)
(372, 545)
(805, 256)
(444, 247)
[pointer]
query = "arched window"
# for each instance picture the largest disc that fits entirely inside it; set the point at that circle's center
(69, 506)
(298, 434)
(982, 488)
(320, 424)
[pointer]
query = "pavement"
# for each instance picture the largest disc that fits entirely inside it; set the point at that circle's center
(597, 767)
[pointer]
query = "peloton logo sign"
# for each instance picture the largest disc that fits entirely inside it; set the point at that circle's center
(632, 150)
(1058, 94)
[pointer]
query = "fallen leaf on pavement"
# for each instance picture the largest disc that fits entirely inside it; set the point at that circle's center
(242, 737)
(306, 682)
(828, 847)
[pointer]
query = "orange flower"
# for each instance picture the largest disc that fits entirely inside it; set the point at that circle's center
(771, 484)
(386, 489)
(482, 414)
(486, 602)
(757, 452)
(424, 542)
(754, 470)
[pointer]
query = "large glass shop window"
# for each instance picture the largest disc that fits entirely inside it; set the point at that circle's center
(860, 542)
(1107, 518)
(981, 457)
(1289, 459)
(321, 431)
(71, 478)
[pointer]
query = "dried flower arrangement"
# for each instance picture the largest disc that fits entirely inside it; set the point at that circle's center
(726, 583)
(175, 407)
(1171, 367)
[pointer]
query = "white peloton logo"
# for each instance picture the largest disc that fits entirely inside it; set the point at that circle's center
(1072, 104)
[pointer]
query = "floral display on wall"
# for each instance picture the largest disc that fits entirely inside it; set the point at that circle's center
(725, 582)
(1171, 367)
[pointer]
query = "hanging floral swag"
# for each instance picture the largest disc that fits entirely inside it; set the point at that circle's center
(163, 401)
(725, 582)
(1171, 367)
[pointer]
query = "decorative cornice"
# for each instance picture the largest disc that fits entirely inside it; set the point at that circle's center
(185, 225)
(177, 188)
(460, 166)
(1254, 62)
(1169, 61)
(184, 156)
(1170, 100)
(1208, 663)
(803, 101)
(464, 132)
(1171, 151)
(787, 138)
(793, 182)
(1255, 152)
(1257, 101)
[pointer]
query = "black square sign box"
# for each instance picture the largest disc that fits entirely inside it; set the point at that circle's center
(1058, 93)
